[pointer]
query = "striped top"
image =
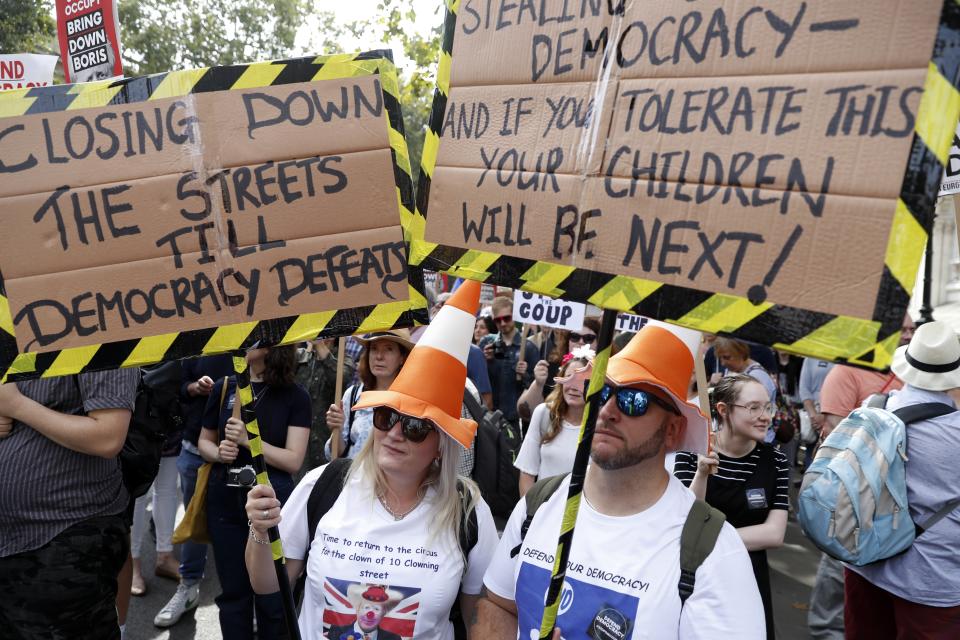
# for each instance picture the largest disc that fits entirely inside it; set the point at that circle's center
(738, 470)
(46, 488)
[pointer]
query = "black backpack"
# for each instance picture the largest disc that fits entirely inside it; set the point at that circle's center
(157, 417)
(697, 539)
(322, 498)
(495, 450)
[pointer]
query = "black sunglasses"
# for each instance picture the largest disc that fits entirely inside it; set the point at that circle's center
(585, 338)
(414, 429)
(633, 402)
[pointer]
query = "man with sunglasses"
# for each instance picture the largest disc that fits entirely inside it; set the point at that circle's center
(510, 373)
(623, 575)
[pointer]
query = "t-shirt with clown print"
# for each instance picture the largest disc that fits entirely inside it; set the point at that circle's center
(622, 575)
(368, 573)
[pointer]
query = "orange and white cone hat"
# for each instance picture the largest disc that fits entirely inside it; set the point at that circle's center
(430, 385)
(662, 356)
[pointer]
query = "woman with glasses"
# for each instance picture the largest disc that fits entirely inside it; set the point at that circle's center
(744, 477)
(551, 442)
(404, 538)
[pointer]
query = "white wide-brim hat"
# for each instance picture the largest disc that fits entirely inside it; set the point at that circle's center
(932, 359)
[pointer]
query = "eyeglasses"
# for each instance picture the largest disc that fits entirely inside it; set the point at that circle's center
(585, 338)
(414, 429)
(502, 319)
(755, 410)
(633, 402)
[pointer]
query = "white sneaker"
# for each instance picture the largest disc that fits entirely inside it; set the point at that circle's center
(185, 599)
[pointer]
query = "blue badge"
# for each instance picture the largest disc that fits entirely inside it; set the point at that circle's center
(756, 498)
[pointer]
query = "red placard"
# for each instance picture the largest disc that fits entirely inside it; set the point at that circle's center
(89, 35)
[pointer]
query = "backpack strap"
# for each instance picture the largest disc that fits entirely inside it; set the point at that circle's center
(539, 493)
(354, 396)
(324, 495)
(473, 407)
(923, 411)
(699, 536)
(941, 513)
(877, 400)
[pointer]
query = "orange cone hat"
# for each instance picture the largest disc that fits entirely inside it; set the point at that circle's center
(657, 356)
(430, 385)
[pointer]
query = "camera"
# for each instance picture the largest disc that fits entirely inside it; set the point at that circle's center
(499, 348)
(241, 477)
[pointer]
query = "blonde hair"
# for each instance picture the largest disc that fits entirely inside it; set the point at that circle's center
(450, 509)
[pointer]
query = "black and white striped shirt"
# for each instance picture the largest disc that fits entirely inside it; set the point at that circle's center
(739, 470)
(46, 488)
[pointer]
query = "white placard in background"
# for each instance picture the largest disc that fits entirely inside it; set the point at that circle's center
(533, 308)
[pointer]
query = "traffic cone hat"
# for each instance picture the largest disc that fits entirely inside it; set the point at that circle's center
(430, 385)
(658, 357)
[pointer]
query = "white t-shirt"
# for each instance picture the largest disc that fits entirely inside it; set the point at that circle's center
(551, 459)
(359, 546)
(622, 575)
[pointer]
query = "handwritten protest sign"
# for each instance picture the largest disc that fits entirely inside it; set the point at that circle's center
(26, 70)
(541, 310)
(89, 35)
(710, 163)
(630, 322)
(197, 211)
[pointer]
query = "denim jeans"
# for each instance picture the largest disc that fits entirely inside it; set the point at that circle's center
(193, 556)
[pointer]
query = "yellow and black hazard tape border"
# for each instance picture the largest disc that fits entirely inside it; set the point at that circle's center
(149, 350)
(868, 343)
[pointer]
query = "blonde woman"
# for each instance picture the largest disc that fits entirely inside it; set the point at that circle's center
(405, 539)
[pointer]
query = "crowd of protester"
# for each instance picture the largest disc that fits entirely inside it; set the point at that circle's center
(402, 432)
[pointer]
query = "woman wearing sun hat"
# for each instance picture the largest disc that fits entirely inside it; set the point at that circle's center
(398, 518)
(384, 352)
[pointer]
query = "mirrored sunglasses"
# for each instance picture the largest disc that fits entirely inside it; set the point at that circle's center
(633, 402)
(413, 429)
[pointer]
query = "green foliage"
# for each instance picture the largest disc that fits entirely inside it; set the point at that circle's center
(394, 22)
(27, 26)
(160, 35)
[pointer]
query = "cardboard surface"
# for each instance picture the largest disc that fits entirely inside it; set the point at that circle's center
(733, 148)
(203, 210)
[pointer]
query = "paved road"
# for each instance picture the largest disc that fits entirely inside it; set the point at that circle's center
(793, 568)
(202, 624)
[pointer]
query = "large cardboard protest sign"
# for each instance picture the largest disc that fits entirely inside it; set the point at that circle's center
(201, 211)
(26, 70)
(89, 36)
(761, 169)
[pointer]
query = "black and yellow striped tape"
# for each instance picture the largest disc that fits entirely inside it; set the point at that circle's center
(868, 343)
(578, 475)
(151, 349)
